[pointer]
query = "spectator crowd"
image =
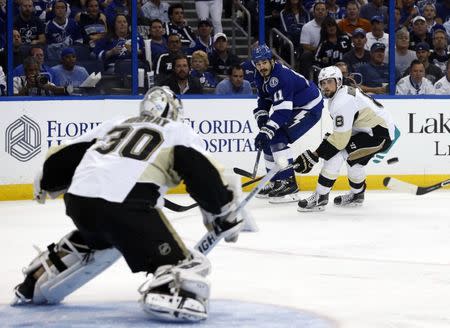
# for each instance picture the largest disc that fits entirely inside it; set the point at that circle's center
(62, 42)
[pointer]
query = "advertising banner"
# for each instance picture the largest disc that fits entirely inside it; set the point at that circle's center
(227, 128)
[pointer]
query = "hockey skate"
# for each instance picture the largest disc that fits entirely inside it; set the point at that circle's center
(264, 193)
(314, 203)
(350, 199)
(284, 191)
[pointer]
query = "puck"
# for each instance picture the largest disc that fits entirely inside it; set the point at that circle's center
(392, 160)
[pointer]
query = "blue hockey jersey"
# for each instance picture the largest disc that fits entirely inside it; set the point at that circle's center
(288, 93)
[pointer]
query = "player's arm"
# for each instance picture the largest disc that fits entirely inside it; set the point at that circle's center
(343, 115)
(61, 161)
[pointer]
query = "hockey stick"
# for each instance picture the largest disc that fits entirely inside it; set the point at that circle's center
(182, 208)
(399, 185)
(211, 238)
(177, 207)
(247, 174)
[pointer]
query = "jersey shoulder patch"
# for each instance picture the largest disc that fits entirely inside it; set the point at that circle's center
(438, 85)
(273, 82)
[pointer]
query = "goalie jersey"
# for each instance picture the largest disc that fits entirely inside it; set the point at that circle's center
(135, 160)
(352, 111)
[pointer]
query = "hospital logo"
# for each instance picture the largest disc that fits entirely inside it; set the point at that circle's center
(23, 139)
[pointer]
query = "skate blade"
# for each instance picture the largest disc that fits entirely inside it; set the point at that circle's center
(350, 205)
(285, 199)
(261, 196)
(320, 208)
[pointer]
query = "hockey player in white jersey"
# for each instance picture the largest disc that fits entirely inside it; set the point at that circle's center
(114, 178)
(361, 128)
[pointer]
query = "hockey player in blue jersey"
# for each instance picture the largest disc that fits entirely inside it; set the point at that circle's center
(288, 106)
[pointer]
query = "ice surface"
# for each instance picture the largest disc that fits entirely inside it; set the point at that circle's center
(386, 264)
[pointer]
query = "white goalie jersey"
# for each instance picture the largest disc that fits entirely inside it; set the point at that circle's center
(127, 151)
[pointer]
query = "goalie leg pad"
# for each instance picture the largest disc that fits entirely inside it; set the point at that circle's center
(178, 293)
(62, 269)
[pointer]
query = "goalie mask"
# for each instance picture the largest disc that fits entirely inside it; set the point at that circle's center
(161, 102)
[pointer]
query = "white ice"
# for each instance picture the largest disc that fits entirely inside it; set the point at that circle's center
(385, 264)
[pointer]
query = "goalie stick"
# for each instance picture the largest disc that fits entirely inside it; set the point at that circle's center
(395, 184)
(247, 174)
(211, 238)
(182, 208)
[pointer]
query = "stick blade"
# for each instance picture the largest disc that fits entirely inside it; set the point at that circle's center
(243, 173)
(398, 185)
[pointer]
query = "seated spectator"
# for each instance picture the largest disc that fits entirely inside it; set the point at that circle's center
(164, 64)
(61, 31)
(249, 71)
(310, 38)
(403, 56)
(415, 83)
(347, 78)
(37, 53)
(429, 13)
(333, 44)
(419, 33)
(408, 11)
(158, 44)
(210, 9)
(156, 9)
(31, 29)
(117, 44)
(352, 20)
(358, 55)
(221, 58)
(17, 48)
(440, 54)
(334, 10)
(204, 40)
(375, 8)
(2, 82)
(92, 23)
(235, 83)
(442, 87)
(180, 82)
(116, 7)
(378, 35)
(376, 72)
(293, 17)
(35, 84)
(68, 73)
(443, 10)
(177, 25)
(200, 65)
(432, 72)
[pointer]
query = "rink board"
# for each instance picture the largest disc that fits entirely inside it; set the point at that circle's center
(227, 128)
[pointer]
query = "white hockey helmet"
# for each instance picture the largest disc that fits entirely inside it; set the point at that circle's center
(331, 72)
(162, 102)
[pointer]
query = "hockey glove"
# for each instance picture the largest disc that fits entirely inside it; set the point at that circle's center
(261, 117)
(305, 162)
(225, 223)
(264, 136)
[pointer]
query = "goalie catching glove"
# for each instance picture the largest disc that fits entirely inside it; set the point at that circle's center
(225, 223)
(305, 162)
